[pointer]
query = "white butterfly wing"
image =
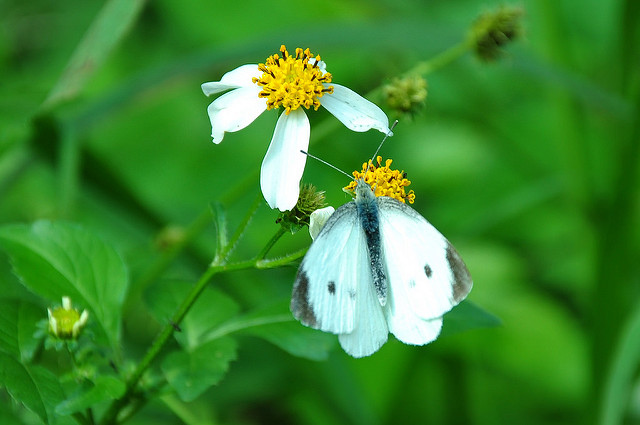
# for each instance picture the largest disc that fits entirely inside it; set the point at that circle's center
(425, 274)
(324, 293)
(370, 331)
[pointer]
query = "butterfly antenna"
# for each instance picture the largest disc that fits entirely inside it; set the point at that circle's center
(383, 140)
(326, 163)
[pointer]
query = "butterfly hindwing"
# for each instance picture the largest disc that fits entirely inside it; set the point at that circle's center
(370, 328)
(325, 290)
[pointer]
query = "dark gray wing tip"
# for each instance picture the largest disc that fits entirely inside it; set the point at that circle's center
(300, 306)
(462, 282)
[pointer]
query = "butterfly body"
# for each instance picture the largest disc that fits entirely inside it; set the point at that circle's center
(378, 266)
(367, 208)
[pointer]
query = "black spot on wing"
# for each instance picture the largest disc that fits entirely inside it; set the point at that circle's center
(462, 282)
(331, 287)
(352, 294)
(428, 271)
(300, 306)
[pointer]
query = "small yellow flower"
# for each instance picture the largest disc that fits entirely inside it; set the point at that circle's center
(66, 322)
(383, 181)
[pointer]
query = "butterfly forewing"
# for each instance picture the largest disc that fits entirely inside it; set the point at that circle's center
(422, 266)
(324, 293)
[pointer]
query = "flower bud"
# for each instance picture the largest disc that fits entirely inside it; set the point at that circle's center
(66, 322)
(406, 95)
(493, 30)
(310, 199)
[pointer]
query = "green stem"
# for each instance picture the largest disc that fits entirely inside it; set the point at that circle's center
(225, 252)
(281, 261)
(159, 343)
(270, 244)
(437, 62)
(442, 59)
(257, 263)
(219, 265)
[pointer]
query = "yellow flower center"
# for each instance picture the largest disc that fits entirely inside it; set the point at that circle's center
(384, 181)
(64, 322)
(292, 81)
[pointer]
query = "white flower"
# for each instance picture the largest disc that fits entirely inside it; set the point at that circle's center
(290, 82)
(317, 219)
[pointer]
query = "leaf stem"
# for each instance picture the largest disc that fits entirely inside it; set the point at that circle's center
(270, 244)
(442, 59)
(157, 345)
(225, 252)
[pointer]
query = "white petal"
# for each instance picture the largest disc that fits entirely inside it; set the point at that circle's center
(354, 111)
(234, 111)
(239, 77)
(321, 65)
(317, 220)
(283, 164)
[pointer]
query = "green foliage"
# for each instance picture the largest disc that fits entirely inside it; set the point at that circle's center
(18, 321)
(34, 386)
(60, 259)
(466, 316)
(104, 388)
(112, 23)
(191, 372)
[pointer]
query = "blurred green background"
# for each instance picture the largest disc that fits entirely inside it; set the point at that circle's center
(529, 166)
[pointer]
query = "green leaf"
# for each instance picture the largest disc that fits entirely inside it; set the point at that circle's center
(106, 31)
(210, 310)
(103, 389)
(297, 339)
(189, 413)
(34, 386)
(191, 373)
(62, 259)
(466, 316)
(624, 365)
(275, 324)
(8, 418)
(18, 320)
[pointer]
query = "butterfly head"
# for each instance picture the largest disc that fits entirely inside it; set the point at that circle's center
(363, 190)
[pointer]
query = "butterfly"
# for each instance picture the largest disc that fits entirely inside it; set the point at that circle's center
(378, 267)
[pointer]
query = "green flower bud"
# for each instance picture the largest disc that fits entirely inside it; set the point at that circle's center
(66, 322)
(406, 95)
(493, 30)
(310, 199)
